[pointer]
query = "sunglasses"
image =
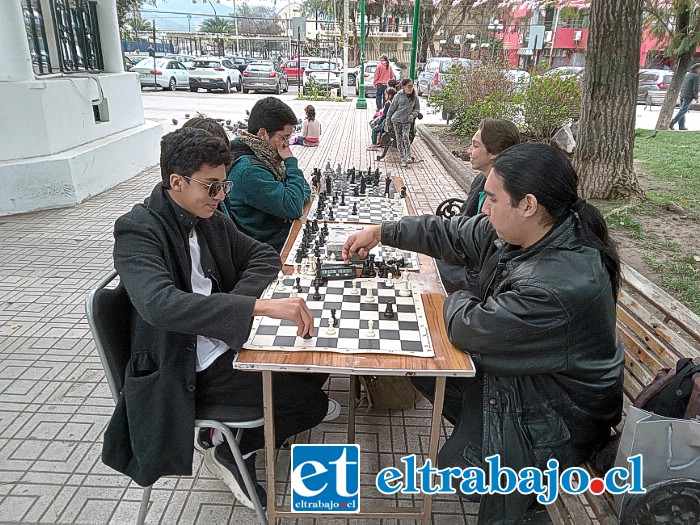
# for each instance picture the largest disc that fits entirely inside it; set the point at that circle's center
(215, 187)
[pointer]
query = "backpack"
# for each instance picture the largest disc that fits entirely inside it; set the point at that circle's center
(673, 392)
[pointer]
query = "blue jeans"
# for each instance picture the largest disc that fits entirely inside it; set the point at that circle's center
(680, 116)
(381, 88)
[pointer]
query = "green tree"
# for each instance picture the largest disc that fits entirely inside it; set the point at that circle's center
(676, 22)
(127, 9)
(218, 25)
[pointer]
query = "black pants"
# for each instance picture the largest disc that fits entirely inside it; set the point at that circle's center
(299, 401)
(464, 409)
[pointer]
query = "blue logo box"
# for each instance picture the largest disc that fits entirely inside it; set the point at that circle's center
(325, 478)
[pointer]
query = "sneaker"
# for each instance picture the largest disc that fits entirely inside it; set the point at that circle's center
(219, 460)
(670, 126)
(683, 129)
(333, 410)
(202, 439)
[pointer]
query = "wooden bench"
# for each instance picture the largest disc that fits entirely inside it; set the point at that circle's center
(656, 331)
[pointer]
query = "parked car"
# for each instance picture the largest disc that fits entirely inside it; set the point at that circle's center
(135, 59)
(566, 72)
(241, 62)
(264, 76)
(352, 75)
(324, 71)
(370, 68)
(215, 73)
(653, 84)
(291, 67)
(185, 60)
(168, 74)
(432, 78)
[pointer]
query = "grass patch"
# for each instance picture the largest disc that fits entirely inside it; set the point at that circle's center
(628, 224)
(672, 160)
(680, 273)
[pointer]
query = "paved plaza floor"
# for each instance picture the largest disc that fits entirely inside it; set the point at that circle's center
(55, 402)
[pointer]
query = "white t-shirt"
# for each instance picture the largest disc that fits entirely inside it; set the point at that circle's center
(208, 348)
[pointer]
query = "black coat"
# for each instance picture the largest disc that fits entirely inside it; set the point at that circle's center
(150, 433)
(540, 326)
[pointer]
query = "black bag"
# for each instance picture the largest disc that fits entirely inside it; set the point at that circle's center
(673, 392)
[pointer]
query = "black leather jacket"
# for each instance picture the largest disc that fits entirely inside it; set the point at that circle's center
(540, 327)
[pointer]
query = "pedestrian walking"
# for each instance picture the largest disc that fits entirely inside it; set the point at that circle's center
(402, 113)
(689, 92)
(382, 75)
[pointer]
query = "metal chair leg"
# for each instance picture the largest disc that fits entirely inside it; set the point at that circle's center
(143, 509)
(238, 457)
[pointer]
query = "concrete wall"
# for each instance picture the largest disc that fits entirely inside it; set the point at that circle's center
(53, 149)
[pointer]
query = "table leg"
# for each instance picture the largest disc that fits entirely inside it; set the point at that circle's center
(354, 390)
(434, 440)
(270, 451)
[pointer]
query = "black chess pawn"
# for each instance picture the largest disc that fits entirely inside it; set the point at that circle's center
(329, 184)
(365, 269)
(389, 312)
(356, 191)
(352, 175)
(334, 200)
(297, 286)
(363, 185)
(331, 217)
(387, 185)
(325, 227)
(354, 208)
(403, 192)
(316, 296)
(342, 199)
(372, 271)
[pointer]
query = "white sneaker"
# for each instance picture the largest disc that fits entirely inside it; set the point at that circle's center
(333, 410)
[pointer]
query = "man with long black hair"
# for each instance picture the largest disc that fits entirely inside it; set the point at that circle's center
(540, 324)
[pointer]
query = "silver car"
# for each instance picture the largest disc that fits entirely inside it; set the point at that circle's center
(168, 74)
(264, 76)
(432, 78)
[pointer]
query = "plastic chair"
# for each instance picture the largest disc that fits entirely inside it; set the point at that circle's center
(109, 315)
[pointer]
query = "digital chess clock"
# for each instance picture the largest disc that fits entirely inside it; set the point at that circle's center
(338, 271)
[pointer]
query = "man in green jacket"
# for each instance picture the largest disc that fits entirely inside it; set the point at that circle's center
(269, 188)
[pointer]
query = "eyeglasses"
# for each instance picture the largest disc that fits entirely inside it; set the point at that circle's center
(284, 137)
(215, 187)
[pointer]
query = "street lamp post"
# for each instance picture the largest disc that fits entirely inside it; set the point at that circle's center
(361, 100)
(235, 25)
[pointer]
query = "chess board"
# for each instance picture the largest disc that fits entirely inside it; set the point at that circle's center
(380, 251)
(378, 209)
(405, 334)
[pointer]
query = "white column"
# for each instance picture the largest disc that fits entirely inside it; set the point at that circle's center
(109, 36)
(15, 58)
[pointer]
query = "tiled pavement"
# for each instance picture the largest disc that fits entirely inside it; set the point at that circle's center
(55, 403)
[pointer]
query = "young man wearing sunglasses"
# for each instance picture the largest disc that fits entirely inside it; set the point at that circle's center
(194, 281)
(270, 189)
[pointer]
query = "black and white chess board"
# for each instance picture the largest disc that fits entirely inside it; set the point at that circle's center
(363, 324)
(382, 253)
(363, 210)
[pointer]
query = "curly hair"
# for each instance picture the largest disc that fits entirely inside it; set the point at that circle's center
(186, 150)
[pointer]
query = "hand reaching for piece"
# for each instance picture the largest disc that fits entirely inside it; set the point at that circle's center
(362, 242)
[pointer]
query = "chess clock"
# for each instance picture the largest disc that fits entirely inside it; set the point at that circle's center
(338, 271)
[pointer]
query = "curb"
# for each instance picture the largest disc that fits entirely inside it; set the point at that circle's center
(460, 173)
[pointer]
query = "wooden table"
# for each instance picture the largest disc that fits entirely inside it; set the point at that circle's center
(448, 361)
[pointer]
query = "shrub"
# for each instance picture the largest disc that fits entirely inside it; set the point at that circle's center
(548, 103)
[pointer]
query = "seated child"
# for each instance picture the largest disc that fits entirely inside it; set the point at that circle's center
(377, 124)
(310, 129)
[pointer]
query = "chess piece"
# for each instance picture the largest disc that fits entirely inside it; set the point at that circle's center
(342, 199)
(403, 192)
(334, 319)
(293, 293)
(280, 283)
(388, 185)
(405, 290)
(370, 329)
(369, 298)
(332, 257)
(354, 209)
(316, 296)
(372, 272)
(331, 217)
(298, 287)
(355, 289)
(296, 270)
(389, 312)
(389, 282)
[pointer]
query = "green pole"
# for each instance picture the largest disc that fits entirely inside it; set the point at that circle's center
(414, 38)
(361, 100)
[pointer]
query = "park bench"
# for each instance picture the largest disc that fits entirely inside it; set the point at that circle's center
(656, 331)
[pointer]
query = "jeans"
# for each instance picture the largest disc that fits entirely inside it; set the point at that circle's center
(680, 116)
(403, 139)
(381, 88)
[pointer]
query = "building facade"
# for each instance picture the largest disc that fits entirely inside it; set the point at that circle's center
(73, 118)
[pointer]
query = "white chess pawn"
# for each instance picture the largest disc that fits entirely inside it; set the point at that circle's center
(355, 290)
(294, 293)
(369, 298)
(370, 328)
(389, 283)
(332, 257)
(331, 329)
(280, 282)
(296, 270)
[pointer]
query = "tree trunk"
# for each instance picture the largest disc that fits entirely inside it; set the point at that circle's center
(682, 65)
(605, 143)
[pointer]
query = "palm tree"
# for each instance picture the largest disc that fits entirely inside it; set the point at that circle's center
(139, 24)
(217, 25)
